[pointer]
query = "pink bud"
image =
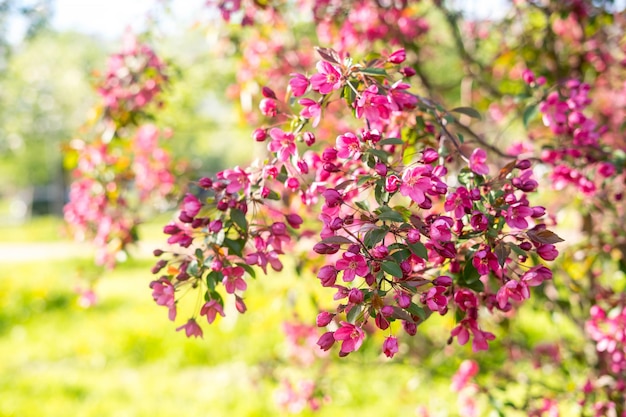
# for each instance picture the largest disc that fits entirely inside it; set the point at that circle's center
(259, 135)
(381, 169)
(326, 341)
(443, 280)
(309, 138)
(355, 296)
(408, 72)
(390, 346)
(324, 318)
(397, 57)
(268, 93)
(240, 305)
(294, 220)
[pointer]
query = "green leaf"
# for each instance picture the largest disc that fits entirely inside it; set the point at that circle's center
(373, 71)
(391, 216)
(417, 311)
(468, 111)
(477, 286)
(380, 154)
(374, 236)
(502, 251)
(234, 246)
(392, 268)
(212, 278)
(391, 141)
(471, 278)
(248, 269)
(363, 205)
(354, 313)
(239, 219)
(401, 255)
(337, 240)
(544, 236)
(529, 113)
(363, 179)
(418, 249)
(273, 195)
(465, 176)
(470, 273)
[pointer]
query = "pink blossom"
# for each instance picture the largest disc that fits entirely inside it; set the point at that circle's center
(373, 105)
(525, 182)
(312, 110)
(352, 264)
(282, 144)
(237, 180)
(211, 309)
(390, 346)
(348, 146)
(324, 318)
(299, 84)
(440, 229)
(467, 370)
(485, 261)
(480, 337)
(516, 215)
(459, 202)
(259, 135)
(240, 305)
(351, 337)
(414, 184)
(435, 299)
(536, 275)
(268, 107)
(400, 99)
(547, 252)
(191, 328)
(477, 162)
(327, 79)
(233, 279)
(327, 275)
(514, 290)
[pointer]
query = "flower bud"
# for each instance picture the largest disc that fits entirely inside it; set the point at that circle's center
(324, 318)
(326, 341)
(397, 57)
(259, 135)
(309, 138)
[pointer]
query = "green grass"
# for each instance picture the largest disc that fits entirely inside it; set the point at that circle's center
(124, 358)
(39, 229)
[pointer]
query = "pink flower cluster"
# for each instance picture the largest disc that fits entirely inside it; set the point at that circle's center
(608, 330)
(579, 159)
(133, 79)
(124, 168)
(398, 243)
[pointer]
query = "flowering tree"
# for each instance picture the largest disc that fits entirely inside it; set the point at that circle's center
(407, 207)
(120, 168)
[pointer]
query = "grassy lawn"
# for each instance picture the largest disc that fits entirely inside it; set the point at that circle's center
(123, 357)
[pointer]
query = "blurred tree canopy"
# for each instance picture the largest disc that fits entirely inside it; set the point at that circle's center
(44, 92)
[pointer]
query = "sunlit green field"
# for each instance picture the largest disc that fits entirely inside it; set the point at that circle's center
(122, 357)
